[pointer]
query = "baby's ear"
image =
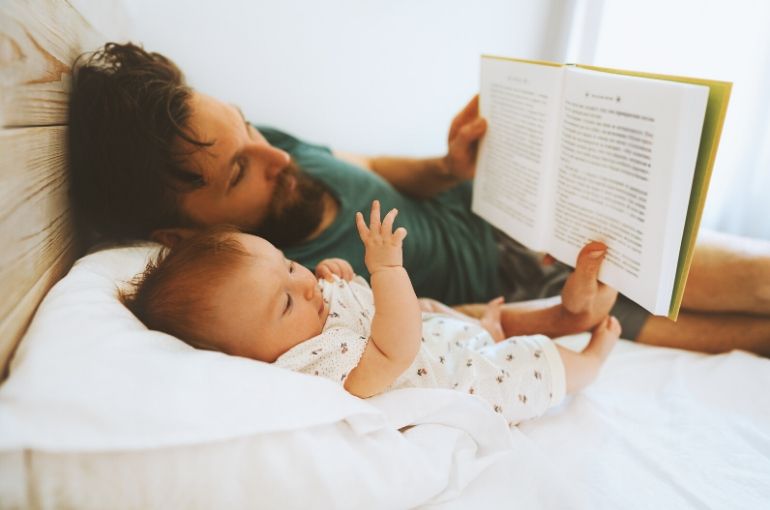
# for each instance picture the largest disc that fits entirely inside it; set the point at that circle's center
(169, 237)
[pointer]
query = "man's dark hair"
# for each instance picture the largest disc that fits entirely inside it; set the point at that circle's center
(128, 110)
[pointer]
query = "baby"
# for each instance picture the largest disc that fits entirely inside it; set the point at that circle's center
(236, 293)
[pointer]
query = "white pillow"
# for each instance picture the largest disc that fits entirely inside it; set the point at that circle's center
(97, 406)
(106, 381)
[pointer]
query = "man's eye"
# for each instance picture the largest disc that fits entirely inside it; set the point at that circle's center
(239, 174)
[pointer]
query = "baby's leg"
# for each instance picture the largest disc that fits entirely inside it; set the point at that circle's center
(581, 368)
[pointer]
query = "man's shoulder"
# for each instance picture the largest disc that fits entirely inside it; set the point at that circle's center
(283, 140)
(275, 135)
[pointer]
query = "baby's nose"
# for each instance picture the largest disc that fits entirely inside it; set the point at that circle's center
(311, 287)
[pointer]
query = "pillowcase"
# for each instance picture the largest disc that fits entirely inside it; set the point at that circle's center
(99, 411)
(105, 381)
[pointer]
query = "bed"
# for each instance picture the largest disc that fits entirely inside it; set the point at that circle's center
(98, 412)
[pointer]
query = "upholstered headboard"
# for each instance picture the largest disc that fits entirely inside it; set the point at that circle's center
(39, 40)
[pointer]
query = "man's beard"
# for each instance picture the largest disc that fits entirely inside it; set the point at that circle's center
(292, 215)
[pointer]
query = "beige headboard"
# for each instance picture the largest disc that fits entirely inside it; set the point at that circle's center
(39, 40)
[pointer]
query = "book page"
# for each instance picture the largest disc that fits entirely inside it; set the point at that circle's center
(520, 101)
(626, 158)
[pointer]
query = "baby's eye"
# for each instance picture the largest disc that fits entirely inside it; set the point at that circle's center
(291, 267)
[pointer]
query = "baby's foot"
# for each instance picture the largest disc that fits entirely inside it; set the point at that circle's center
(586, 300)
(491, 319)
(603, 338)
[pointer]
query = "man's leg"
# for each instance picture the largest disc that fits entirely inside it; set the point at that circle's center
(729, 274)
(709, 332)
(726, 303)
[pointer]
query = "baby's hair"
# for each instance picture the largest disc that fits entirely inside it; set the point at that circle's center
(171, 295)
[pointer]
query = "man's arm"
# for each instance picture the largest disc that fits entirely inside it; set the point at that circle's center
(424, 178)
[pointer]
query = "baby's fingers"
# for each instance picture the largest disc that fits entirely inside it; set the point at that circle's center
(374, 216)
(326, 274)
(347, 271)
(387, 222)
(363, 230)
(399, 234)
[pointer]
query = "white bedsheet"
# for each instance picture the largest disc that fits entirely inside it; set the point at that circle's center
(97, 406)
(660, 428)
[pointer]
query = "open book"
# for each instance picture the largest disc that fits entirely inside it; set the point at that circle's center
(579, 153)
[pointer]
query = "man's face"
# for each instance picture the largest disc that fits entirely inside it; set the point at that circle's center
(248, 183)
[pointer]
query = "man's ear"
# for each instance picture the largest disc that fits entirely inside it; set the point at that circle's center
(170, 236)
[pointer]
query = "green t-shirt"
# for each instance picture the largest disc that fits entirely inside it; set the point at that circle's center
(449, 252)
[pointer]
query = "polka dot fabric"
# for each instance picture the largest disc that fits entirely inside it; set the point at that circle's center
(520, 377)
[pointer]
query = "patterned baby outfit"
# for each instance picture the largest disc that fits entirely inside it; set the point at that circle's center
(520, 377)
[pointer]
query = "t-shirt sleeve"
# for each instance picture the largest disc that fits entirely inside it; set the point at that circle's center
(287, 142)
(332, 354)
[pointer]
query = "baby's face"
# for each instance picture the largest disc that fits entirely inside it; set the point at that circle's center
(266, 305)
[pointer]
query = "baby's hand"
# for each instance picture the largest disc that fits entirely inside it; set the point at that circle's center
(328, 267)
(383, 246)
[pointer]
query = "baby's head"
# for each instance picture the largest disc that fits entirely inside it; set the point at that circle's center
(232, 292)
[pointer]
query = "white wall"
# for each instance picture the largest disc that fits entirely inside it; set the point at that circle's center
(375, 77)
(719, 39)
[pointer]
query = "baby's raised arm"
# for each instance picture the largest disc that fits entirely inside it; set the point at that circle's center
(397, 321)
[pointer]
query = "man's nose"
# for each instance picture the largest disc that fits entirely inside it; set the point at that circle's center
(276, 160)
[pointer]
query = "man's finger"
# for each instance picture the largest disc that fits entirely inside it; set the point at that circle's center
(473, 131)
(468, 113)
(470, 110)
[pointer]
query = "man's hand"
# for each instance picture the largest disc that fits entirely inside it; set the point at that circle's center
(463, 142)
(383, 246)
(585, 300)
(328, 267)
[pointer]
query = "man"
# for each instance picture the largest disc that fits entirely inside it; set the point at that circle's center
(151, 158)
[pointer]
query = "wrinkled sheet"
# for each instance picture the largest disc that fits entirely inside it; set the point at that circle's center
(660, 428)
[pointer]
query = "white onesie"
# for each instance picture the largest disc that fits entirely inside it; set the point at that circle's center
(520, 377)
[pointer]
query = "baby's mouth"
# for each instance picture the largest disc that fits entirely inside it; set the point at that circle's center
(323, 304)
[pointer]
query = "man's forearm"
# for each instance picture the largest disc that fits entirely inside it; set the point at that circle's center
(420, 178)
